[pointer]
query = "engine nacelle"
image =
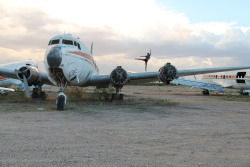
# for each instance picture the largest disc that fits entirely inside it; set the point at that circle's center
(167, 73)
(30, 72)
(119, 77)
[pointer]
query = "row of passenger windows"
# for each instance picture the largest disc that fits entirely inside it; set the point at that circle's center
(65, 41)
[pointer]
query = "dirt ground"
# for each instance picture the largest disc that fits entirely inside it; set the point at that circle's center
(156, 126)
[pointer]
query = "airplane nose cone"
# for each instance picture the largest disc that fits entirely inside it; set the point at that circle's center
(54, 57)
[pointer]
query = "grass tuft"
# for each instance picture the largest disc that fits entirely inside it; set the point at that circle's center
(76, 94)
(241, 98)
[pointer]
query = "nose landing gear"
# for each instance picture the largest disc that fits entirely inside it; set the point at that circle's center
(62, 83)
(61, 101)
(61, 97)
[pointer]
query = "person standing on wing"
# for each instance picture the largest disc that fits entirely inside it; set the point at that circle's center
(146, 59)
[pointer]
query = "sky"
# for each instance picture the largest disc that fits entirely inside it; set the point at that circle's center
(189, 34)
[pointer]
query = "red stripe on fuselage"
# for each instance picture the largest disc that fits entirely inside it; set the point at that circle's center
(88, 57)
(222, 76)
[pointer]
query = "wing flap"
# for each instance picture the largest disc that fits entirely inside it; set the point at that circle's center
(199, 84)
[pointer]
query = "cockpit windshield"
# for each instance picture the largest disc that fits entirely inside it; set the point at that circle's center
(67, 42)
(55, 41)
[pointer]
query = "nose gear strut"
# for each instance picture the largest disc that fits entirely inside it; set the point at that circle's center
(62, 82)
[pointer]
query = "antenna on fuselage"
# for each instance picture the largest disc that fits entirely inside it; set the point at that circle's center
(91, 48)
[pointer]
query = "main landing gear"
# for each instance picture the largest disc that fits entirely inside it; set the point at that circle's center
(205, 92)
(242, 92)
(38, 93)
(117, 97)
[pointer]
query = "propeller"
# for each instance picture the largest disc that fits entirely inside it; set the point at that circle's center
(22, 73)
(119, 76)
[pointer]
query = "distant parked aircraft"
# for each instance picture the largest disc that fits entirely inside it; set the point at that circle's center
(239, 79)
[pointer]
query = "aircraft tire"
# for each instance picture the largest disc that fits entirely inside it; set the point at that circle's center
(43, 95)
(116, 97)
(35, 95)
(205, 92)
(244, 93)
(60, 102)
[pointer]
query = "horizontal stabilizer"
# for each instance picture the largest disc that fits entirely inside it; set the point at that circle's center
(199, 84)
(6, 90)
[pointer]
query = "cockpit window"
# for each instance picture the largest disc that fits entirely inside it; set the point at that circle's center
(75, 43)
(79, 47)
(67, 42)
(56, 41)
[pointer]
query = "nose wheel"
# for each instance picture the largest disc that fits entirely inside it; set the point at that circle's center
(61, 101)
(62, 83)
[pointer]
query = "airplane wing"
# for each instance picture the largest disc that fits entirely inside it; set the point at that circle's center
(117, 78)
(199, 84)
(31, 72)
(134, 78)
(208, 70)
(165, 74)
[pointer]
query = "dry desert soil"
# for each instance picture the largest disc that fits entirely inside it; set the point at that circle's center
(157, 126)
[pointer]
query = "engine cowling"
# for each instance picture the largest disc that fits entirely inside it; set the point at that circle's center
(30, 72)
(119, 77)
(167, 73)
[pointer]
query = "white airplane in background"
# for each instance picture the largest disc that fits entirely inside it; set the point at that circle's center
(6, 83)
(68, 62)
(6, 90)
(218, 81)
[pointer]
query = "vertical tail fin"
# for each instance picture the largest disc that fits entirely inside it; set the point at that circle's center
(91, 48)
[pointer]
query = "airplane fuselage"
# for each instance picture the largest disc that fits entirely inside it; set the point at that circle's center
(68, 61)
(232, 79)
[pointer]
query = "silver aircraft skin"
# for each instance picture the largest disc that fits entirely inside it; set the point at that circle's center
(68, 62)
(239, 79)
(6, 83)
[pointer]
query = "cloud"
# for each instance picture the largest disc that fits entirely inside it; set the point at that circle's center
(121, 31)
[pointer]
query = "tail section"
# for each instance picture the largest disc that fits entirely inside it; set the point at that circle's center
(91, 48)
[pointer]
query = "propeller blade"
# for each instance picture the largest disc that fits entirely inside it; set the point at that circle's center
(25, 82)
(17, 71)
(26, 87)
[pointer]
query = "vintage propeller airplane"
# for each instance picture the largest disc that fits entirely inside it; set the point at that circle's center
(7, 82)
(239, 79)
(68, 62)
